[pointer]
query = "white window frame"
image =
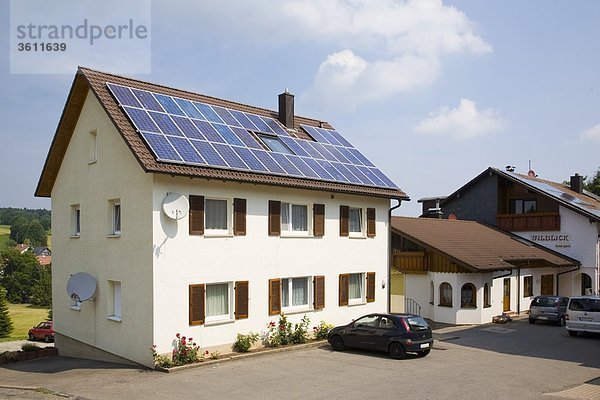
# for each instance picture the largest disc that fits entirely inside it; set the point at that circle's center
(215, 319)
(361, 233)
(219, 232)
(309, 295)
(362, 276)
(289, 231)
(75, 220)
(114, 230)
(115, 301)
(93, 147)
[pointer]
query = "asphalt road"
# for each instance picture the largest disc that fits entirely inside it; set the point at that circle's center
(512, 361)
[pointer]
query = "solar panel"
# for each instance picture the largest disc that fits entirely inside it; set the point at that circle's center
(190, 132)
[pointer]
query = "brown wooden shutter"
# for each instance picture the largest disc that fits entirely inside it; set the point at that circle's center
(274, 296)
(274, 218)
(344, 288)
(344, 212)
(319, 295)
(241, 300)
(370, 222)
(239, 217)
(370, 287)
(196, 215)
(319, 220)
(196, 304)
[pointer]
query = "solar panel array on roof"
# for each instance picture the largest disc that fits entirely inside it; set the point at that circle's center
(189, 132)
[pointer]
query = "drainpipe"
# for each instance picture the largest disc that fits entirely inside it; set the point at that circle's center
(389, 255)
(561, 273)
(519, 289)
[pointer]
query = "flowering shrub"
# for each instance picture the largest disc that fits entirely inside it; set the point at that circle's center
(161, 360)
(282, 333)
(243, 342)
(321, 331)
(186, 351)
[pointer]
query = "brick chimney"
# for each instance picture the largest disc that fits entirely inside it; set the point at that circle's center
(577, 183)
(286, 109)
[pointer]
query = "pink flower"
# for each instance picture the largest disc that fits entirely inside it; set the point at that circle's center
(177, 335)
(190, 339)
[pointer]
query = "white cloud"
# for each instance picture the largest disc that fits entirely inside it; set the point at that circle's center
(372, 49)
(592, 134)
(462, 122)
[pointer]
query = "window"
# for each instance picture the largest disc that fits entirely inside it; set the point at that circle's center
(213, 302)
(274, 144)
(355, 288)
(352, 288)
(528, 286)
(486, 296)
(468, 296)
(93, 147)
(445, 295)
(352, 222)
(213, 216)
(294, 218)
(115, 220)
(294, 293)
(586, 285)
(216, 216)
(522, 206)
(114, 301)
(75, 220)
(431, 293)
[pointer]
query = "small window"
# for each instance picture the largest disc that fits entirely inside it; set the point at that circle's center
(295, 293)
(386, 323)
(522, 206)
(93, 147)
(586, 284)
(528, 286)
(355, 221)
(468, 296)
(275, 144)
(431, 292)
(445, 295)
(75, 220)
(356, 288)
(114, 301)
(486, 295)
(115, 219)
(215, 215)
(218, 301)
(368, 321)
(294, 218)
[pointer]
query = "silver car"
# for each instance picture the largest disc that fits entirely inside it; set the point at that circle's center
(548, 308)
(583, 315)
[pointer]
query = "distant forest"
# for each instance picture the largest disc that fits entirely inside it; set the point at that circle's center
(9, 215)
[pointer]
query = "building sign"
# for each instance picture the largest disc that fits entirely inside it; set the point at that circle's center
(559, 240)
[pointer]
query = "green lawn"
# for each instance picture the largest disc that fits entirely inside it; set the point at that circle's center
(24, 316)
(4, 235)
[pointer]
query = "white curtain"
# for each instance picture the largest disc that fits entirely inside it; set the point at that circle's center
(299, 218)
(355, 286)
(217, 299)
(285, 216)
(299, 292)
(446, 294)
(355, 220)
(285, 293)
(216, 214)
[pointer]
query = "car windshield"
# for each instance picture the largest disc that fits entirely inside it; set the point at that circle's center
(544, 302)
(588, 305)
(417, 324)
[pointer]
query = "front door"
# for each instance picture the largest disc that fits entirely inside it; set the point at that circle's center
(506, 300)
(547, 285)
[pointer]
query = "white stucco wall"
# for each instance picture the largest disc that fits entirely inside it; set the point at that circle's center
(180, 259)
(128, 259)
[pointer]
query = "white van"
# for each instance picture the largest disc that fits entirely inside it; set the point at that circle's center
(583, 315)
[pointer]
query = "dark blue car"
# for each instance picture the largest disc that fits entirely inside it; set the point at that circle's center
(396, 334)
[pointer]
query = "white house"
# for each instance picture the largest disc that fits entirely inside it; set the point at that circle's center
(463, 272)
(284, 215)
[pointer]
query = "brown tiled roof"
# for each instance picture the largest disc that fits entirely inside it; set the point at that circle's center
(476, 246)
(87, 79)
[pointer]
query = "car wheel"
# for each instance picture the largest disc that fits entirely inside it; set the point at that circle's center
(337, 343)
(47, 339)
(396, 351)
(423, 353)
(31, 337)
(561, 321)
(572, 333)
(531, 321)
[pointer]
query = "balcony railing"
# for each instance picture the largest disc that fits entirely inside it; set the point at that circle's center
(548, 221)
(410, 262)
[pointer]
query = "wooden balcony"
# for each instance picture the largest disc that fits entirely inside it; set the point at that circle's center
(548, 221)
(410, 262)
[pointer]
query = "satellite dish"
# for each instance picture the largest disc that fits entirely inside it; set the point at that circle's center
(81, 286)
(175, 205)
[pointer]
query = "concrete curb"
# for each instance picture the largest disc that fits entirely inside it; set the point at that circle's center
(238, 356)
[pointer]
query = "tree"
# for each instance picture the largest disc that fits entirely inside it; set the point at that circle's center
(18, 275)
(593, 184)
(41, 293)
(23, 230)
(6, 325)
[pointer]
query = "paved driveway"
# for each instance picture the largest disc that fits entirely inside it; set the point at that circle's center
(513, 361)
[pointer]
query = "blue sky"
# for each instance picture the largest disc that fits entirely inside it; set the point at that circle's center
(432, 92)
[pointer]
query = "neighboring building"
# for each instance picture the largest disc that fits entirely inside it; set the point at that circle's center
(43, 255)
(284, 216)
(22, 248)
(562, 218)
(462, 272)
